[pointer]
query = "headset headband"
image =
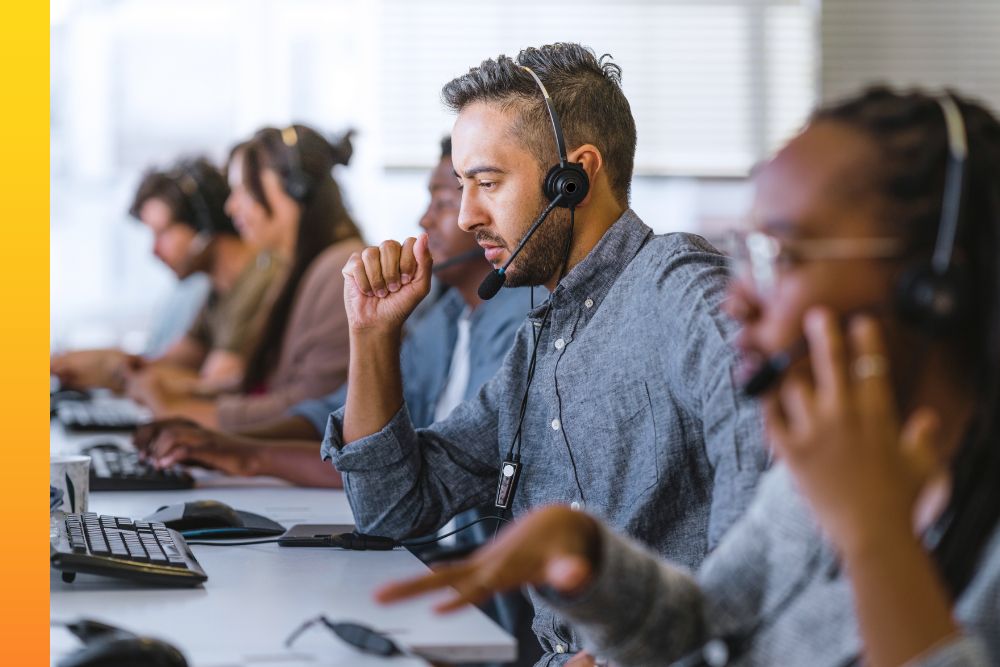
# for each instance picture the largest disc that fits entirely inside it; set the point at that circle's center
(553, 116)
(951, 203)
(185, 178)
(290, 137)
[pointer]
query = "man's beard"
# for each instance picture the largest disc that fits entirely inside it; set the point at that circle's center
(545, 253)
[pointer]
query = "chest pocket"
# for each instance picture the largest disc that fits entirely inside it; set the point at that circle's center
(613, 438)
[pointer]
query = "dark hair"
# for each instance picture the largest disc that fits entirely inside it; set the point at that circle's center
(587, 96)
(909, 132)
(446, 147)
(194, 190)
(323, 222)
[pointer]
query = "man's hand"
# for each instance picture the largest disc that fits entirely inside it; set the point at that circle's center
(85, 369)
(145, 434)
(172, 441)
(383, 284)
(145, 386)
(554, 546)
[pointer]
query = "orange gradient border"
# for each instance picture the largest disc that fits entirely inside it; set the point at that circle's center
(24, 323)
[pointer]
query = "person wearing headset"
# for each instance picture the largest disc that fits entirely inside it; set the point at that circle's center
(872, 268)
(285, 201)
(446, 357)
(184, 209)
(618, 393)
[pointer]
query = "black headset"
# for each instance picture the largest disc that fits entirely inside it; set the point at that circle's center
(932, 296)
(185, 178)
(566, 186)
(297, 183)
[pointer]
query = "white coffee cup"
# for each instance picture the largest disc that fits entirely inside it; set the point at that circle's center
(70, 473)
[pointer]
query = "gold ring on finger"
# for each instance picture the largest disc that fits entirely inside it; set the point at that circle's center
(869, 365)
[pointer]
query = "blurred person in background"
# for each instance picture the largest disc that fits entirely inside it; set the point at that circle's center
(284, 201)
(184, 208)
(441, 364)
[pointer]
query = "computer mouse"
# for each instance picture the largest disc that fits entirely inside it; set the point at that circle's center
(125, 650)
(105, 445)
(197, 514)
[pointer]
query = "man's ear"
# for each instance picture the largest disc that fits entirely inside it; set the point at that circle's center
(590, 158)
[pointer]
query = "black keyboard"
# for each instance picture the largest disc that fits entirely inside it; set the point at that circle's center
(105, 414)
(119, 547)
(116, 469)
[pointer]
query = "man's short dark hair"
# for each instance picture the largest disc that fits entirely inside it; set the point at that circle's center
(587, 95)
(194, 190)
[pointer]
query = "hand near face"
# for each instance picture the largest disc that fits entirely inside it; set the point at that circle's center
(553, 546)
(383, 284)
(860, 470)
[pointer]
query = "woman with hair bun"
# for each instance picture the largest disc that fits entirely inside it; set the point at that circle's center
(285, 201)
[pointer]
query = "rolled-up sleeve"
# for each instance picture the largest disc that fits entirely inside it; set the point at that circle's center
(403, 481)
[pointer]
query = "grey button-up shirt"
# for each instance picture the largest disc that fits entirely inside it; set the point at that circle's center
(633, 412)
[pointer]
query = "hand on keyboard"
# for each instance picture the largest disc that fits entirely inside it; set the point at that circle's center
(115, 469)
(173, 441)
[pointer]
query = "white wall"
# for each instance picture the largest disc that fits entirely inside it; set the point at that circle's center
(714, 84)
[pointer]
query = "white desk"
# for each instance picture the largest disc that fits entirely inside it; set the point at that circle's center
(256, 596)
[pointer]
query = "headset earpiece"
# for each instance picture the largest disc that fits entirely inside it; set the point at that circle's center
(298, 185)
(568, 180)
(931, 302)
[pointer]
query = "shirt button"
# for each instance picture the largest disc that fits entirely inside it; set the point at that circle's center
(575, 505)
(589, 303)
(556, 424)
(560, 344)
(560, 648)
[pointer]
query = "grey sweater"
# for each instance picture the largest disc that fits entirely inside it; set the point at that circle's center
(774, 572)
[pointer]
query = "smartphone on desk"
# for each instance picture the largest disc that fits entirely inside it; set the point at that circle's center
(313, 534)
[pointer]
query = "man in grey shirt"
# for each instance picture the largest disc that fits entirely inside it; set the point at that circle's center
(623, 378)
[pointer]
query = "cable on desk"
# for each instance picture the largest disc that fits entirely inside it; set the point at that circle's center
(360, 541)
(229, 544)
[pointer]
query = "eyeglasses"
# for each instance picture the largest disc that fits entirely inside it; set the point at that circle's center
(359, 636)
(762, 257)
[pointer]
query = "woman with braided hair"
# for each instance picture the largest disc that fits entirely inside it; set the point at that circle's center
(868, 286)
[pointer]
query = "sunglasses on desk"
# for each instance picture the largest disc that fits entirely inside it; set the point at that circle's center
(359, 636)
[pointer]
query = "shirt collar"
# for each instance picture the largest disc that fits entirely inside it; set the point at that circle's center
(597, 272)
(452, 304)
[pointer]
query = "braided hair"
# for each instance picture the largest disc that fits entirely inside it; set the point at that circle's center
(911, 137)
